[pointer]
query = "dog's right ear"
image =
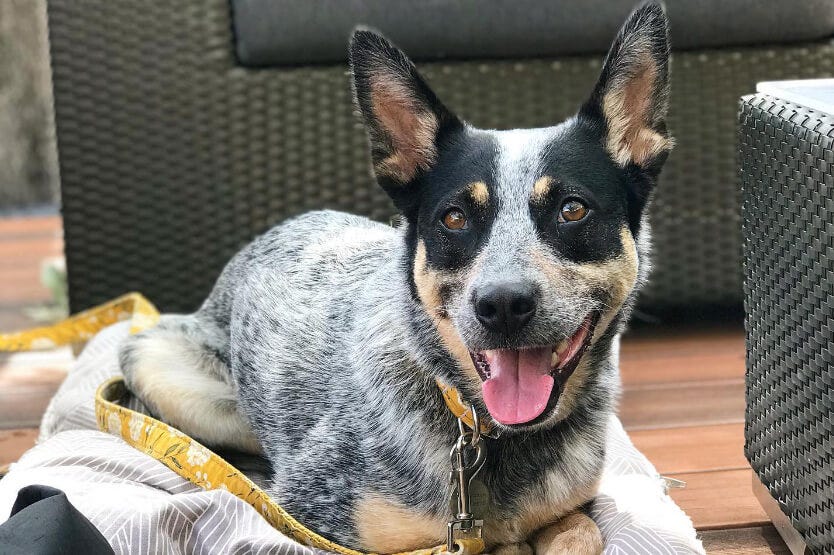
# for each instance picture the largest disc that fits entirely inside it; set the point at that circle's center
(404, 118)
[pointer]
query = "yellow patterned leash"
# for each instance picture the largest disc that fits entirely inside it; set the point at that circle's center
(202, 467)
(84, 325)
(171, 447)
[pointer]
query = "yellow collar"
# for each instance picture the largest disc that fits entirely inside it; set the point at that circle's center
(462, 410)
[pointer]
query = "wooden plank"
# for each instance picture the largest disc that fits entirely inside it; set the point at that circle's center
(693, 448)
(720, 499)
(679, 368)
(27, 383)
(30, 247)
(17, 372)
(684, 340)
(23, 294)
(685, 356)
(27, 380)
(13, 319)
(30, 225)
(685, 404)
(21, 270)
(60, 356)
(23, 407)
(758, 540)
(20, 280)
(13, 443)
(25, 242)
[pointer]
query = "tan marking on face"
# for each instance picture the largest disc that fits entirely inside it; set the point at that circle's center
(573, 533)
(428, 284)
(549, 266)
(540, 188)
(479, 193)
(387, 527)
(617, 276)
(627, 111)
(410, 130)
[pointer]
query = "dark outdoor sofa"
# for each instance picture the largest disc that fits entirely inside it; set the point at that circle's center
(186, 128)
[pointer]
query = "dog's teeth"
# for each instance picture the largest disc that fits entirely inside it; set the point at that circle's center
(554, 360)
(562, 347)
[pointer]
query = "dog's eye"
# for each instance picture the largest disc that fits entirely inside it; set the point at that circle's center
(572, 211)
(454, 219)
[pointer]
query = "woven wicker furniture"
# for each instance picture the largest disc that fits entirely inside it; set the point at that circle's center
(173, 155)
(786, 153)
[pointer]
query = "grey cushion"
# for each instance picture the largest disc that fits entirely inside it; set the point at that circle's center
(281, 32)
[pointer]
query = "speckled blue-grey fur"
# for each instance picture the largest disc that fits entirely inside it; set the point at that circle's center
(328, 333)
(335, 361)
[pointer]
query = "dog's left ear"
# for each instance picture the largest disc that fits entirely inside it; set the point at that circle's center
(631, 96)
(404, 118)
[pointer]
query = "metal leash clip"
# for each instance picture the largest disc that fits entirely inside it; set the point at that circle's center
(468, 456)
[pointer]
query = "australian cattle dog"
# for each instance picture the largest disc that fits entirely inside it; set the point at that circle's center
(510, 279)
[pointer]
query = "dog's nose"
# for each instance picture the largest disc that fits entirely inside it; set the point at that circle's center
(505, 307)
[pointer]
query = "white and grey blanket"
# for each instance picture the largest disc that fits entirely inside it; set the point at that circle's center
(143, 507)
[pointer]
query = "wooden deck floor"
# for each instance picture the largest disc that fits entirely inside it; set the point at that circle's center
(683, 399)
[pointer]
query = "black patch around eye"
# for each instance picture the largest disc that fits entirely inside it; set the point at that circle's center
(581, 170)
(595, 237)
(465, 161)
(451, 249)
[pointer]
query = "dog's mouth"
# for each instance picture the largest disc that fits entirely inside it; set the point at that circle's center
(519, 385)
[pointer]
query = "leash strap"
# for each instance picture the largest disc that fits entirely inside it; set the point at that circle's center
(84, 325)
(171, 447)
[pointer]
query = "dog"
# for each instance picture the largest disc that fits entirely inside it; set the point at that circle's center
(510, 279)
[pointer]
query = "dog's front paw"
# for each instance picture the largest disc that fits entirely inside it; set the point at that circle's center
(513, 549)
(574, 534)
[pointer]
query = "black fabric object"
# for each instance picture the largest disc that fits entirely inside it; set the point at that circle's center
(291, 32)
(44, 522)
(786, 156)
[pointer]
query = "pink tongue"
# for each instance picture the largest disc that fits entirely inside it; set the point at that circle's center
(519, 385)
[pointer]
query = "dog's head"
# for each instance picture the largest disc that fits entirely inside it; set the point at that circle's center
(525, 243)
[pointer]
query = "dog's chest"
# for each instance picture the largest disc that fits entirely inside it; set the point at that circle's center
(545, 501)
(524, 485)
(385, 524)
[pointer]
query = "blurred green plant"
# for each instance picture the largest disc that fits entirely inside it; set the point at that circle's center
(54, 278)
